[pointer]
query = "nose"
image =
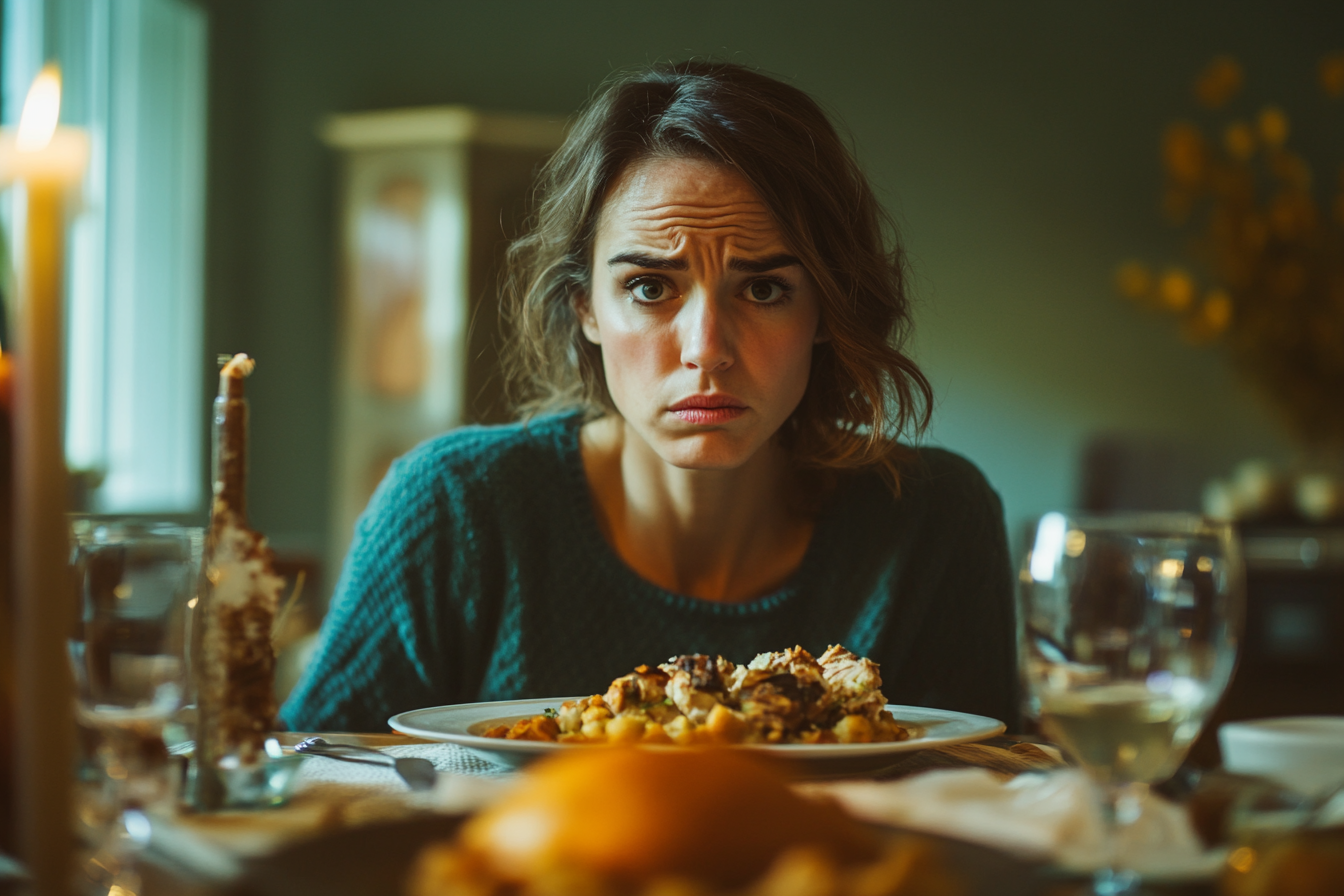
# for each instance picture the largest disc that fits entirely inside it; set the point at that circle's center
(706, 335)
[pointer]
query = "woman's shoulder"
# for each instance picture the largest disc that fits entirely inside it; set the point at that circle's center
(931, 480)
(487, 452)
(469, 474)
(945, 503)
(943, 472)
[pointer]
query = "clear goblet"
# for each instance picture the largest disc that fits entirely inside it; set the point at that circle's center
(1129, 629)
(127, 650)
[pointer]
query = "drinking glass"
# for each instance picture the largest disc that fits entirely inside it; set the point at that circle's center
(1129, 628)
(133, 583)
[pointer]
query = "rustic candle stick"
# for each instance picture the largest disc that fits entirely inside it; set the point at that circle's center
(48, 159)
(230, 466)
(235, 673)
(45, 732)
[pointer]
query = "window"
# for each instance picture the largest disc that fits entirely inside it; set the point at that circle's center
(134, 76)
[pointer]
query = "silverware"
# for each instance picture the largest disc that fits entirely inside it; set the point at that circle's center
(418, 773)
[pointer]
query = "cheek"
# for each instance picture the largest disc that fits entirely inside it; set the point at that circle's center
(633, 360)
(786, 357)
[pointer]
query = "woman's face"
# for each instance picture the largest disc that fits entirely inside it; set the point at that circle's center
(705, 319)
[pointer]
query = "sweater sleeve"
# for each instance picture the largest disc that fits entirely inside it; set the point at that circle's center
(989, 625)
(963, 655)
(378, 652)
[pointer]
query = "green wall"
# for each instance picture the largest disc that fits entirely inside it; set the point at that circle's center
(1014, 142)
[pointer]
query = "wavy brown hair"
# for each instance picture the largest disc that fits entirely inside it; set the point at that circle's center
(864, 391)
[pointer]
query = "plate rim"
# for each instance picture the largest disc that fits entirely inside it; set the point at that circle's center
(990, 727)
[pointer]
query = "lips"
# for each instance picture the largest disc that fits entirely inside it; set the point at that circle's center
(708, 409)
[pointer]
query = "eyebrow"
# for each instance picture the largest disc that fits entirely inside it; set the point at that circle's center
(747, 265)
(761, 265)
(652, 262)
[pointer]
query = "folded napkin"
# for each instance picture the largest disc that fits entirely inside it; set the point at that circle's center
(329, 795)
(319, 773)
(1053, 817)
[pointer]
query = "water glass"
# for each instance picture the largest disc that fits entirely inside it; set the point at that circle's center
(1129, 629)
(134, 580)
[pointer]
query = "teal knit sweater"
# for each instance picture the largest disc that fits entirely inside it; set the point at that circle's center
(478, 572)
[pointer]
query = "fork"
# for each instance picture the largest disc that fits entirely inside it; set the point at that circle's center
(419, 774)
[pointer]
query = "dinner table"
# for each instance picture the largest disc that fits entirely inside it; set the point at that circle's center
(351, 829)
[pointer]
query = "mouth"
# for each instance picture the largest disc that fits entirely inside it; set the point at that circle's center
(708, 409)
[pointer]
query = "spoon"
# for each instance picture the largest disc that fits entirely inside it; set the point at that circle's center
(418, 773)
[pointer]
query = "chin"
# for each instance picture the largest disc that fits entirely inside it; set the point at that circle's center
(713, 450)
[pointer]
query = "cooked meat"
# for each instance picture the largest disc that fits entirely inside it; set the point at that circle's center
(854, 681)
(792, 674)
(642, 688)
(848, 675)
(780, 701)
(703, 672)
(784, 697)
(696, 684)
(795, 660)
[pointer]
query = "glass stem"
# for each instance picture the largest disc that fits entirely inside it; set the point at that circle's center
(1122, 804)
(118, 827)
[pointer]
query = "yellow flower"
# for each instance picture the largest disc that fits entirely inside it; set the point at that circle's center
(1217, 310)
(1291, 169)
(1176, 289)
(1219, 82)
(1332, 75)
(1183, 152)
(1239, 140)
(1210, 319)
(1292, 215)
(1273, 126)
(1134, 280)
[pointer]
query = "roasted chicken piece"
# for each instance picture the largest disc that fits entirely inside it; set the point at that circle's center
(854, 682)
(795, 660)
(643, 689)
(697, 683)
(783, 693)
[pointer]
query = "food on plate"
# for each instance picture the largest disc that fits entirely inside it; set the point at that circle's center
(788, 697)
(699, 822)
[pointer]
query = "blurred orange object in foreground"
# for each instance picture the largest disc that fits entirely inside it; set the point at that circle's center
(690, 821)
(1305, 863)
(6, 380)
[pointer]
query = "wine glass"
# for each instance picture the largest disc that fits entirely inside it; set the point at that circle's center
(1129, 628)
(127, 650)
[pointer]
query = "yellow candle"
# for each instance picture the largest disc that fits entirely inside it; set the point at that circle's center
(48, 160)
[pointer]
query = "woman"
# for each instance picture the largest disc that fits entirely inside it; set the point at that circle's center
(707, 326)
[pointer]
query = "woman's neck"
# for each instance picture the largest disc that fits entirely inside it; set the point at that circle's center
(722, 535)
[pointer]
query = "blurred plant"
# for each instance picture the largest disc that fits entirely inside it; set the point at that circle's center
(1271, 257)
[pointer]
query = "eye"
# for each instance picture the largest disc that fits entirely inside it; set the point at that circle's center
(765, 291)
(648, 290)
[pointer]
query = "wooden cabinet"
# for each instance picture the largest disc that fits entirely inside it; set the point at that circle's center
(429, 200)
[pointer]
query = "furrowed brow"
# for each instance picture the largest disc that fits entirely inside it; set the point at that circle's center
(761, 265)
(652, 262)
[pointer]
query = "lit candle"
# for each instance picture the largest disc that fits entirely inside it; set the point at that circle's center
(48, 160)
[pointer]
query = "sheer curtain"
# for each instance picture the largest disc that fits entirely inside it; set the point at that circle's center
(134, 76)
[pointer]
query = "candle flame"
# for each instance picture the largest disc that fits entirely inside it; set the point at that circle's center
(41, 110)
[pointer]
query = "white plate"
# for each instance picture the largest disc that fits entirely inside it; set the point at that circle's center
(463, 725)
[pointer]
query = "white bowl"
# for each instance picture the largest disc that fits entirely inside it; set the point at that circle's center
(1305, 753)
